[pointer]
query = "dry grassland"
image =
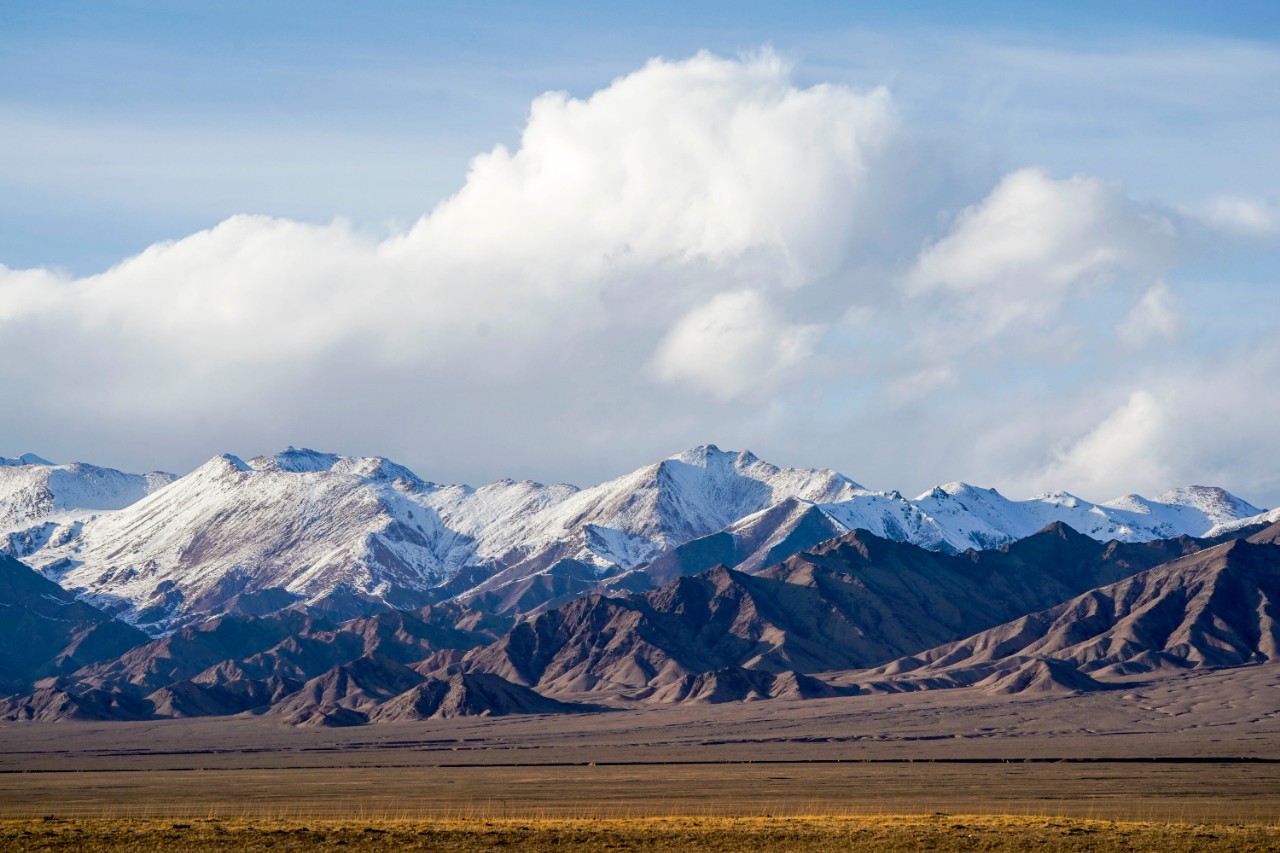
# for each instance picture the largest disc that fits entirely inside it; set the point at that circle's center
(1212, 793)
(883, 833)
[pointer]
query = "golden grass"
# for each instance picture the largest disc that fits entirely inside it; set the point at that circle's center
(760, 833)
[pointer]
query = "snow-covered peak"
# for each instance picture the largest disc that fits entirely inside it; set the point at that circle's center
(956, 489)
(378, 468)
(1262, 518)
(1216, 503)
(1198, 510)
(1064, 499)
(705, 455)
(37, 496)
(311, 522)
(1130, 503)
(959, 515)
(24, 459)
(220, 465)
(745, 463)
(296, 460)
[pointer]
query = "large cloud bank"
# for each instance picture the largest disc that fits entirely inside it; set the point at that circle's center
(700, 251)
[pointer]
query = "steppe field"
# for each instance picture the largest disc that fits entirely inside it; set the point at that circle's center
(944, 771)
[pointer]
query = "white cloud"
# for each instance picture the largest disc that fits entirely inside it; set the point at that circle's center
(1182, 422)
(1242, 217)
(698, 160)
(697, 165)
(734, 344)
(1127, 451)
(700, 251)
(586, 261)
(1009, 263)
(1156, 315)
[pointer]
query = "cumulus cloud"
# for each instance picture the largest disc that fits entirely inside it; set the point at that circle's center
(1180, 422)
(700, 251)
(1127, 450)
(1009, 263)
(734, 344)
(652, 229)
(702, 159)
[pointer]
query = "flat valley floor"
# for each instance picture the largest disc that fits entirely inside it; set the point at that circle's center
(1190, 762)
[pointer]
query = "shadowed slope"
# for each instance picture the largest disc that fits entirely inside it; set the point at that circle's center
(1216, 608)
(45, 631)
(470, 695)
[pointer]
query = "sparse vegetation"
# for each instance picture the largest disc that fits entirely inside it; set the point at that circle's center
(880, 833)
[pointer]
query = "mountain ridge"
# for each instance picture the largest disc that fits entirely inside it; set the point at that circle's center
(357, 534)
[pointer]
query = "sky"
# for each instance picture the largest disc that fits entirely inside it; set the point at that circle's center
(1026, 247)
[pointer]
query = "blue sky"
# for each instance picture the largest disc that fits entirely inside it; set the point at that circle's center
(126, 124)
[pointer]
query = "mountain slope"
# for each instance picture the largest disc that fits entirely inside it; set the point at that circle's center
(468, 695)
(849, 603)
(42, 502)
(45, 632)
(313, 527)
(358, 686)
(950, 518)
(1218, 607)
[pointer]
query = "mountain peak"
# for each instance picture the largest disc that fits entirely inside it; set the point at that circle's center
(24, 459)
(1211, 500)
(701, 455)
(953, 489)
(1060, 530)
(224, 462)
(296, 460)
(1060, 498)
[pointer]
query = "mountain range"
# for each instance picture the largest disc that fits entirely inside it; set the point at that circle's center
(355, 535)
(321, 590)
(1054, 612)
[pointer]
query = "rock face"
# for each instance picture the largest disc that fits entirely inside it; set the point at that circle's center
(1038, 676)
(297, 666)
(1216, 608)
(204, 699)
(45, 631)
(188, 652)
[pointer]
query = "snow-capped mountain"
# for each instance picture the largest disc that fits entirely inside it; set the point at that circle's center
(634, 518)
(1262, 518)
(971, 517)
(950, 518)
(309, 526)
(40, 500)
(358, 532)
